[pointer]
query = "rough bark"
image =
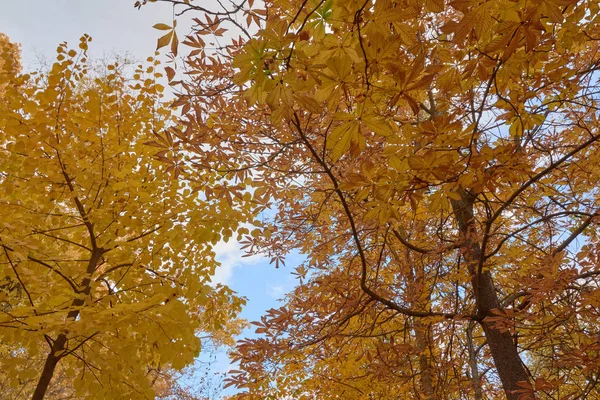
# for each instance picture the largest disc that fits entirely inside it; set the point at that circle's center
(59, 346)
(503, 348)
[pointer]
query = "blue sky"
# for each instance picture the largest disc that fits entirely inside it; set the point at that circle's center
(118, 28)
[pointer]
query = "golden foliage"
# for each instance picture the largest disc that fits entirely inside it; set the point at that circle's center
(105, 257)
(437, 162)
(10, 58)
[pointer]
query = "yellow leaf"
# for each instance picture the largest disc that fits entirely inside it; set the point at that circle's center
(162, 27)
(406, 32)
(164, 40)
(435, 6)
(378, 125)
(308, 103)
(341, 139)
(340, 66)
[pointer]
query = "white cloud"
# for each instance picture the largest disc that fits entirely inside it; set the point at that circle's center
(230, 256)
(276, 291)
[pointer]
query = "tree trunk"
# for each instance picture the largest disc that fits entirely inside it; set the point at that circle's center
(49, 366)
(502, 346)
(59, 344)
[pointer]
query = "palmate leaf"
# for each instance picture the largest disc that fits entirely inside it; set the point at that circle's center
(342, 138)
(436, 162)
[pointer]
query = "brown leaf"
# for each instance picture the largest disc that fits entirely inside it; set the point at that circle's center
(170, 73)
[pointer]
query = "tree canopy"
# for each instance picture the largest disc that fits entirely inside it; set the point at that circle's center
(9, 58)
(105, 251)
(436, 162)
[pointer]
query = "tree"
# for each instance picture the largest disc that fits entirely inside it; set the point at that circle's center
(106, 259)
(437, 162)
(10, 58)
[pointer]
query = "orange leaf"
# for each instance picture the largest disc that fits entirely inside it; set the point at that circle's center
(164, 40)
(174, 44)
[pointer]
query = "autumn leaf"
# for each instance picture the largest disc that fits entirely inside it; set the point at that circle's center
(162, 27)
(170, 73)
(164, 40)
(436, 163)
(107, 267)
